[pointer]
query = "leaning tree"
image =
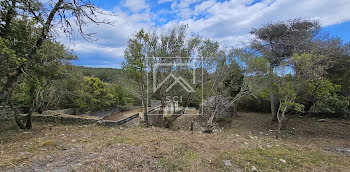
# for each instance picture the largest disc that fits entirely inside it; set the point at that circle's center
(20, 44)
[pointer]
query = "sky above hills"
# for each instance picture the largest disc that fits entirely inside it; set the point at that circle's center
(227, 21)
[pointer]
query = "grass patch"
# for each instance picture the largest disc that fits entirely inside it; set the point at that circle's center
(181, 159)
(270, 159)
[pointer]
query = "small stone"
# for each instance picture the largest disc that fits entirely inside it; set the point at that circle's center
(73, 140)
(237, 135)
(246, 143)
(268, 146)
(227, 163)
(24, 153)
(344, 150)
(271, 130)
(254, 169)
(261, 133)
(282, 160)
(26, 132)
(322, 120)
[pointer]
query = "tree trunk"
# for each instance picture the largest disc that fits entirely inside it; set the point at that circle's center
(17, 117)
(273, 102)
(145, 116)
(19, 121)
(278, 130)
(145, 110)
(31, 108)
(29, 121)
(6, 91)
(234, 110)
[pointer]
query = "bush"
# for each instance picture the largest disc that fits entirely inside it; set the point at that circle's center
(257, 103)
(95, 94)
(328, 102)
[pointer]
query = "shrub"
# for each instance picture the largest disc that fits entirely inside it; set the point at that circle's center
(328, 102)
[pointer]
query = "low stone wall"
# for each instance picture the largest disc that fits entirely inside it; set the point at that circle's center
(64, 119)
(59, 117)
(6, 113)
(70, 119)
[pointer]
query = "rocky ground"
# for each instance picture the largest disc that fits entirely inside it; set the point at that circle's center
(245, 144)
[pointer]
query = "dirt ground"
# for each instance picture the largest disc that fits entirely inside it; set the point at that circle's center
(246, 143)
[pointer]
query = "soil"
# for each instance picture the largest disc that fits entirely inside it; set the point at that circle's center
(246, 142)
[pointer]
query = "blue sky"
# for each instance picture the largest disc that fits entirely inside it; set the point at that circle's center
(227, 21)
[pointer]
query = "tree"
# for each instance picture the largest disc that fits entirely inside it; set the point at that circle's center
(95, 94)
(233, 82)
(153, 48)
(39, 80)
(136, 65)
(279, 41)
(26, 26)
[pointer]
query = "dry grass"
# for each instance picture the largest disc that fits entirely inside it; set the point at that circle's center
(246, 142)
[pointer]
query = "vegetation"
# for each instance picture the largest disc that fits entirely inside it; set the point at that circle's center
(288, 69)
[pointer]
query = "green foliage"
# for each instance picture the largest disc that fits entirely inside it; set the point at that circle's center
(234, 79)
(327, 101)
(311, 66)
(95, 94)
(288, 95)
(109, 75)
(9, 59)
(256, 103)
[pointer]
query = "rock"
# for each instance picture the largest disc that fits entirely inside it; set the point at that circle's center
(268, 146)
(261, 133)
(322, 120)
(220, 102)
(282, 160)
(254, 169)
(24, 153)
(216, 131)
(346, 151)
(227, 163)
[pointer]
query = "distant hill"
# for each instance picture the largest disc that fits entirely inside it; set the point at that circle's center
(105, 74)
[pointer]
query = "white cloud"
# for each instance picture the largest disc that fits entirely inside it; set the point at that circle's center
(135, 5)
(163, 1)
(111, 39)
(232, 20)
(228, 22)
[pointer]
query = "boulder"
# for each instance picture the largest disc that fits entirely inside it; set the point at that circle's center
(216, 103)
